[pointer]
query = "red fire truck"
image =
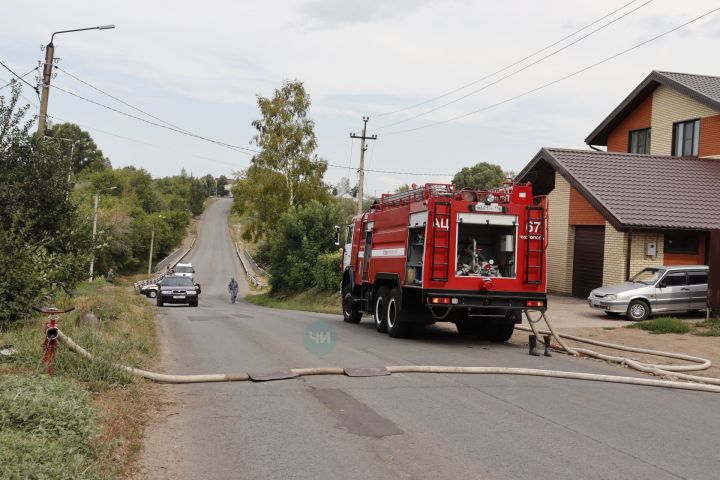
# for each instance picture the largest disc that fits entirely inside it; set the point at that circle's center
(437, 253)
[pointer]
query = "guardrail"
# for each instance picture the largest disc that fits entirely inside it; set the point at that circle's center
(141, 283)
(253, 279)
(256, 267)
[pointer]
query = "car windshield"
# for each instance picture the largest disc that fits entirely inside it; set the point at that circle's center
(184, 269)
(648, 276)
(177, 282)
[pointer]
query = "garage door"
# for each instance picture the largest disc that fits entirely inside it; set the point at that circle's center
(588, 260)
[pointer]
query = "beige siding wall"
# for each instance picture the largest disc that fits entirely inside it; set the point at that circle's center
(561, 238)
(670, 106)
(614, 256)
(638, 259)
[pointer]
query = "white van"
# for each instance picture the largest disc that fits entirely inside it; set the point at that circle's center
(184, 270)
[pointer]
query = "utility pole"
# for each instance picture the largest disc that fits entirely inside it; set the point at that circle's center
(361, 170)
(95, 215)
(152, 241)
(47, 75)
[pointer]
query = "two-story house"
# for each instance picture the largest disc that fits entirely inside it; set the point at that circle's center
(653, 198)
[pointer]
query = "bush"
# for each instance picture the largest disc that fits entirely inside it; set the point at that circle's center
(327, 272)
(663, 325)
(295, 245)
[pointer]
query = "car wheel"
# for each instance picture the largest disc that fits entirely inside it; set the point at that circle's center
(159, 301)
(638, 310)
(152, 294)
(398, 325)
(381, 310)
(194, 304)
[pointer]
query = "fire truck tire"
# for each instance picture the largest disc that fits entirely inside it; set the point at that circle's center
(381, 300)
(398, 325)
(501, 331)
(351, 314)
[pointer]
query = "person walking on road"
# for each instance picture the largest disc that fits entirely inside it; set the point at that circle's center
(233, 289)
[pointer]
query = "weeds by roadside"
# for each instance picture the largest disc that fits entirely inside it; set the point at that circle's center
(705, 328)
(312, 300)
(117, 402)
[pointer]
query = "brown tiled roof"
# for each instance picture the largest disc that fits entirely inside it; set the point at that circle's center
(641, 191)
(703, 88)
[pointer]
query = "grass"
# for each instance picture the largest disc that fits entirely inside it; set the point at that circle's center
(663, 325)
(708, 328)
(311, 300)
(110, 401)
(705, 328)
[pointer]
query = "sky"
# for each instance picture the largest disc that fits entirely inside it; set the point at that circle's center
(201, 65)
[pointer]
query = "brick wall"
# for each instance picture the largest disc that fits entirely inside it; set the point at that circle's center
(641, 117)
(581, 212)
(615, 255)
(709, 137)
(561, 238)
(670, 106)
(638, 259)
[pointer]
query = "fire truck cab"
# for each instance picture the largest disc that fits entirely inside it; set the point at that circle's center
(437, 253)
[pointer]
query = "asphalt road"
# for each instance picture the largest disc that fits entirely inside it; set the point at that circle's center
(400, 426)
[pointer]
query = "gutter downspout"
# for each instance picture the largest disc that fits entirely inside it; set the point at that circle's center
(595, 148)
(629, 254)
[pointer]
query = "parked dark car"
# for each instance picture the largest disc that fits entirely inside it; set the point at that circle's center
(178, 289)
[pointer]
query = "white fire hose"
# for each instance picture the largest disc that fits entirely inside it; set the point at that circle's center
(671, 371)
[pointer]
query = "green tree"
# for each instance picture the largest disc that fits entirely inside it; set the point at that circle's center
(221, 182)
(78, 146)
(44, 243)
(481, 176)
(286, 173)
(403, 188)
(301, 236)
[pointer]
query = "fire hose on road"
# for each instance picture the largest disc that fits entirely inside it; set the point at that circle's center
(672, 371)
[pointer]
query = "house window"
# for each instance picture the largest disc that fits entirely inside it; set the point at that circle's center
(640, 141)
(686, 138)
(681, 242)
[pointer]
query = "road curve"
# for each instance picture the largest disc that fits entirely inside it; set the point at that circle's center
(400, 426)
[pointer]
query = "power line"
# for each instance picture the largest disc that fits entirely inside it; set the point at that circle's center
(344, 167)
(22, 76)
(31, 102)
(558, 80)
(512, 74)
(122, 101)
(507, 66)
(246, 151)
(142, 142)
(34, 87)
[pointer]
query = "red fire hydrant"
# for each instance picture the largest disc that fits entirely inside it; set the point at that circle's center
(51, 334)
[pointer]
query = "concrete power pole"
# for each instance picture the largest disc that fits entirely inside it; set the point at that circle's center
(152, 241)
(361, 170)
(95, 215)
(47, 75)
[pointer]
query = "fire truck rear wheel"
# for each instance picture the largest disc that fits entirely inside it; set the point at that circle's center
(398, 325)
(381, 310)
(351, 314)
(501, 331)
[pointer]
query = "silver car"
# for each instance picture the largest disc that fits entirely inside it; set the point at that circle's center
(654, 290)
